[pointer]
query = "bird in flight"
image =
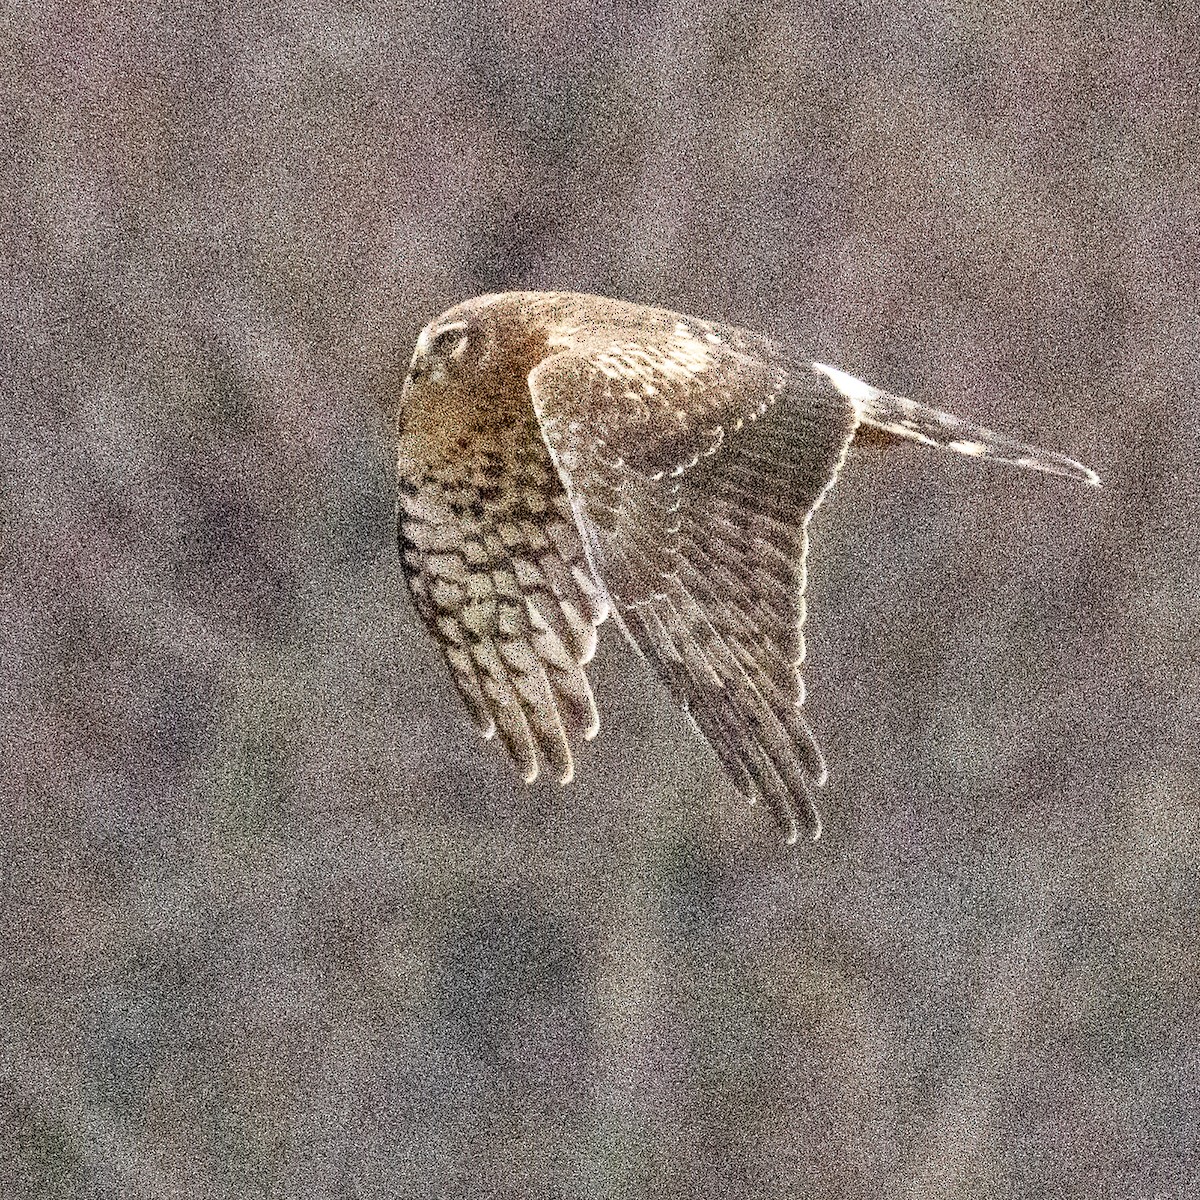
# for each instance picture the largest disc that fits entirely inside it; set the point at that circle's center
(563, 458)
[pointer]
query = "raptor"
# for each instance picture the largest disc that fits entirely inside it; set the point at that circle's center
(564, 458)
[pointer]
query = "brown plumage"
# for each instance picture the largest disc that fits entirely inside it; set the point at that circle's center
(563, 457)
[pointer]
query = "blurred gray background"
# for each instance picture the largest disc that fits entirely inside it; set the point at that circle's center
(276, 923)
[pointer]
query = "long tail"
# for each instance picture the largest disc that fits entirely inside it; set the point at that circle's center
(903, 418)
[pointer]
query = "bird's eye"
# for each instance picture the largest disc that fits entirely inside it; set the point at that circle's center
(452, 340)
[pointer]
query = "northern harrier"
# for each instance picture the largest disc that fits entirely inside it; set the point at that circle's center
(563, 457)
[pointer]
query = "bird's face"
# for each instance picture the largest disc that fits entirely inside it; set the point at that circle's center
(467, 383)
(444, 349)
(444, 374)
(468, 378)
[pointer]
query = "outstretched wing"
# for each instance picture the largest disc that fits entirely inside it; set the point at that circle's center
(694, 459)
(498, 574)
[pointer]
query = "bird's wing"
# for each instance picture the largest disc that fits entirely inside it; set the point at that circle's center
(498, 574)
(694, 458)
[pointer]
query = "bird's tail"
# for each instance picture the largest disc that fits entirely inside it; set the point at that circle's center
(899, 417)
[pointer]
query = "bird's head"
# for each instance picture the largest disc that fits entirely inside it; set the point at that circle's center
(468, 375)
(446, 347)
(449, 358)
(467, 362)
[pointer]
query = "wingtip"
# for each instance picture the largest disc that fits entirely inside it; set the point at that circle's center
(812, 827)
(815, 833)
(793, 836)
(1085, 475)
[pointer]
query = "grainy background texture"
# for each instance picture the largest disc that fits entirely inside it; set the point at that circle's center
(275, 923)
